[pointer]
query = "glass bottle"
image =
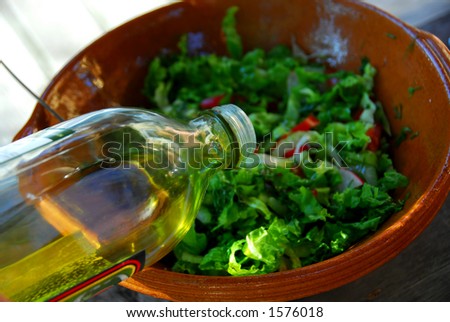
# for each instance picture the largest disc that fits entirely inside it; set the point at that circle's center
(86, 203)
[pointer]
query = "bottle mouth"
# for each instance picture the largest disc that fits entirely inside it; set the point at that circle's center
(241, 126)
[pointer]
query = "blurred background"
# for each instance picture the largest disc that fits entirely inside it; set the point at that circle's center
(39, 37)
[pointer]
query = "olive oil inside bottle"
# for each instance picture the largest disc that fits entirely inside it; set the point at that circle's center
(94, 213)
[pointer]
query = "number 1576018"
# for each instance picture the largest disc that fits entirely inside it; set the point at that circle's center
(296, 312)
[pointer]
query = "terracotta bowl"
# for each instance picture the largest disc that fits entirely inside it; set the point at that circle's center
(110, 72)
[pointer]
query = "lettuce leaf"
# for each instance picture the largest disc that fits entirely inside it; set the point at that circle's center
(284, 212)
(232, 38)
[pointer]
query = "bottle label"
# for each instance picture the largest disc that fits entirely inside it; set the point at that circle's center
(102, 281)
(31, 143)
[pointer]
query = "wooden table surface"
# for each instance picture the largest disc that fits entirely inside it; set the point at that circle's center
(420, 273)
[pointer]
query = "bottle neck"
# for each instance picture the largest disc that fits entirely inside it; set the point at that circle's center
(230, 136)
(214, 144)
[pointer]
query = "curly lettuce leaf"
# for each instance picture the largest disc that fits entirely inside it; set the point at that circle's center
(281, 212)
(232, 37)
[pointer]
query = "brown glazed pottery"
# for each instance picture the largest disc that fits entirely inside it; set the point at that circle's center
(413, 72)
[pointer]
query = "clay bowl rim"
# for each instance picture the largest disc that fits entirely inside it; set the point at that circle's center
(313, 276)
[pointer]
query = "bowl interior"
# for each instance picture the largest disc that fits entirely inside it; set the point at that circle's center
(413, 77)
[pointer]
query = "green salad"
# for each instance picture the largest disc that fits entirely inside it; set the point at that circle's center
(324, 176)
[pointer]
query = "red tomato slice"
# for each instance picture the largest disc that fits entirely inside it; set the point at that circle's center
(211, 102)
(307, 124)
(375, 136)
